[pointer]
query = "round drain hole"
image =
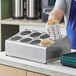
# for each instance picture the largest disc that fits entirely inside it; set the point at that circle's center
(25, 32)
(35, 34)
(26, 40)
(16, 38)
(44, 36)
(35, 42)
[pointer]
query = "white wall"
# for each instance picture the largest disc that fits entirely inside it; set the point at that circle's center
(40, 28)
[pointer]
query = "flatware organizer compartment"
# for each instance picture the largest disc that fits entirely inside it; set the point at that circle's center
(25, 32)
(27, 45)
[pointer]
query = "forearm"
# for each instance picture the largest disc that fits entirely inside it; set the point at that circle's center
(56, 14)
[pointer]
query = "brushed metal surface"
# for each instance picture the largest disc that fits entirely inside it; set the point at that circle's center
(17, 8)
(30, 48)
(32, 8)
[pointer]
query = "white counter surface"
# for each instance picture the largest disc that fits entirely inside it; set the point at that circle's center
(51, 69)
(26, 22)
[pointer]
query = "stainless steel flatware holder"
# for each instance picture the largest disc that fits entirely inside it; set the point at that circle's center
(26, 45)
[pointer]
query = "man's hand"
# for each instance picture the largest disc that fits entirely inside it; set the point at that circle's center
(56, 14)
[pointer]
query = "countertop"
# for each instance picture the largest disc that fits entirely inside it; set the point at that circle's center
(54, 68)
(25, 22)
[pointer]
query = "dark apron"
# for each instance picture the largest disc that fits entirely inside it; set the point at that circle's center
(71, 27)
